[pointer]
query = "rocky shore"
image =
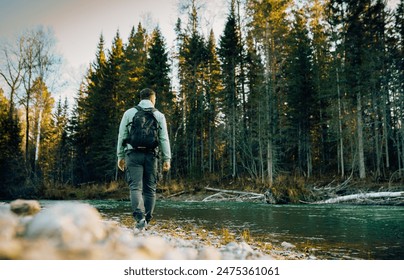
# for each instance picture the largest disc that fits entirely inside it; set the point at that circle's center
(76, 231)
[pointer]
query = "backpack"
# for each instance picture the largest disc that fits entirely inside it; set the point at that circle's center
(143, 131)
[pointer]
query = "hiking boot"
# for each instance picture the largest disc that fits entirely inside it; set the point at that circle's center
(141, 225)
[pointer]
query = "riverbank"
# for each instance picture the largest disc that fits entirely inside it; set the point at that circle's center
(334, 192)
(285, 190)
(76, 231)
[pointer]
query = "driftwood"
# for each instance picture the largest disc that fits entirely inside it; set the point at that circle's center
(397, 175)
(230, 195)
(176, 194)
(362, 196)
(330, 189)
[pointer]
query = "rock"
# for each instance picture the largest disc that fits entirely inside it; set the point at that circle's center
(209, 253)
(11, 249)
(174, 254)
(8, 225)
(25, 207)
(287, 245)
(76, 231)
(189, 253)
(239, 251)
(68, 224)
(155, 247)
(43, 249)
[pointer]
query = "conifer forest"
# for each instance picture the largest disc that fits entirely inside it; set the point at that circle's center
(289, 89)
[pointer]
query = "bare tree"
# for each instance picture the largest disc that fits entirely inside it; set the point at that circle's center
(11, 69)
(38, 60)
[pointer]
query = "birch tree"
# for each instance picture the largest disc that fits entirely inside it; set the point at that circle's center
(39, 60)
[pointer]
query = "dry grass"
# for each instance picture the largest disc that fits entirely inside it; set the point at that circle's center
(110, 190)
(289, 189)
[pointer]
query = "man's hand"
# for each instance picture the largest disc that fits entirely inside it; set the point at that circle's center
(121, 164)
(166, 166)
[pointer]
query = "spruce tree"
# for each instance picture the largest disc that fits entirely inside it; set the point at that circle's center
(192, 56)
(12, 170)
(229, 52)
(255, 110)
(135, 56)
(322, 82)
(213, 88)
(157, 71)
(301, 95)
(269, 25)
(93, 106)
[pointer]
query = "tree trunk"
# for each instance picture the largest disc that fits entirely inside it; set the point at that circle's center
(341, 140)
(38, 138)
(362, 173)
(27, 129)
(376, 135)
(270, 162)
(309, 161)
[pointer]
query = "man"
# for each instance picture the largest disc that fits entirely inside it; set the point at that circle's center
(140, 165)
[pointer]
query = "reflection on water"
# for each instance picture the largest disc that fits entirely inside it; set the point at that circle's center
(334, 231)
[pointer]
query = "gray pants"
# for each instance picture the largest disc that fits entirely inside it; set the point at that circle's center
(141, 176)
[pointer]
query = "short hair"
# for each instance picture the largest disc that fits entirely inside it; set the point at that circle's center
(146, 93)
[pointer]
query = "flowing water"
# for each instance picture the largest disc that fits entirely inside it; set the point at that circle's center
(330, 231)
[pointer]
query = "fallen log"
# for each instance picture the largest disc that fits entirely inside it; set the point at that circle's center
(360, 196)
(231, 195)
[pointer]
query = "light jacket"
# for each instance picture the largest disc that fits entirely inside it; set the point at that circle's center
(127, 117)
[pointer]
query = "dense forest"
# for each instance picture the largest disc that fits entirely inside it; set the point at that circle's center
(291, 90)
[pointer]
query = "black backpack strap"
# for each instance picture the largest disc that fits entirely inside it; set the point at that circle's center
(151, 109)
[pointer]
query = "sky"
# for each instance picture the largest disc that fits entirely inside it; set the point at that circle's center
(78, 24)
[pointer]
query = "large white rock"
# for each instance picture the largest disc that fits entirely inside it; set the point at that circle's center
(8, 224)
(68, 224)
(209, 253)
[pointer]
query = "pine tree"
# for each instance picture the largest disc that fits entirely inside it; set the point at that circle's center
(94, 105)
(105, 102)
(156, 73)
(255, 110)
(397, 90)
(62, 152)
(213, 88)
(12, 170)
(229, 52)
(192, 58)
(319, 27)
(135, 56)
(301, 95)
(269, 24)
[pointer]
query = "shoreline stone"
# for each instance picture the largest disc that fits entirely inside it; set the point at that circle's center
(76, 231)
(25, 207)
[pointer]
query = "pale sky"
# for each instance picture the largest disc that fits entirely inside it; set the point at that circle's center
(77, 25)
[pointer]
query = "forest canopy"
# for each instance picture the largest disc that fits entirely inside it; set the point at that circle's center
(310, 89)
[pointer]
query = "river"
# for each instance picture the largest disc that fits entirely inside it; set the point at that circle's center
(330, 231)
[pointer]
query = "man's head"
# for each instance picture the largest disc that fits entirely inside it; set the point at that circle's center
(148, 94)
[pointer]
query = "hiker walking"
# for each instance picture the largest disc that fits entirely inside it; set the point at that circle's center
(142, 132)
